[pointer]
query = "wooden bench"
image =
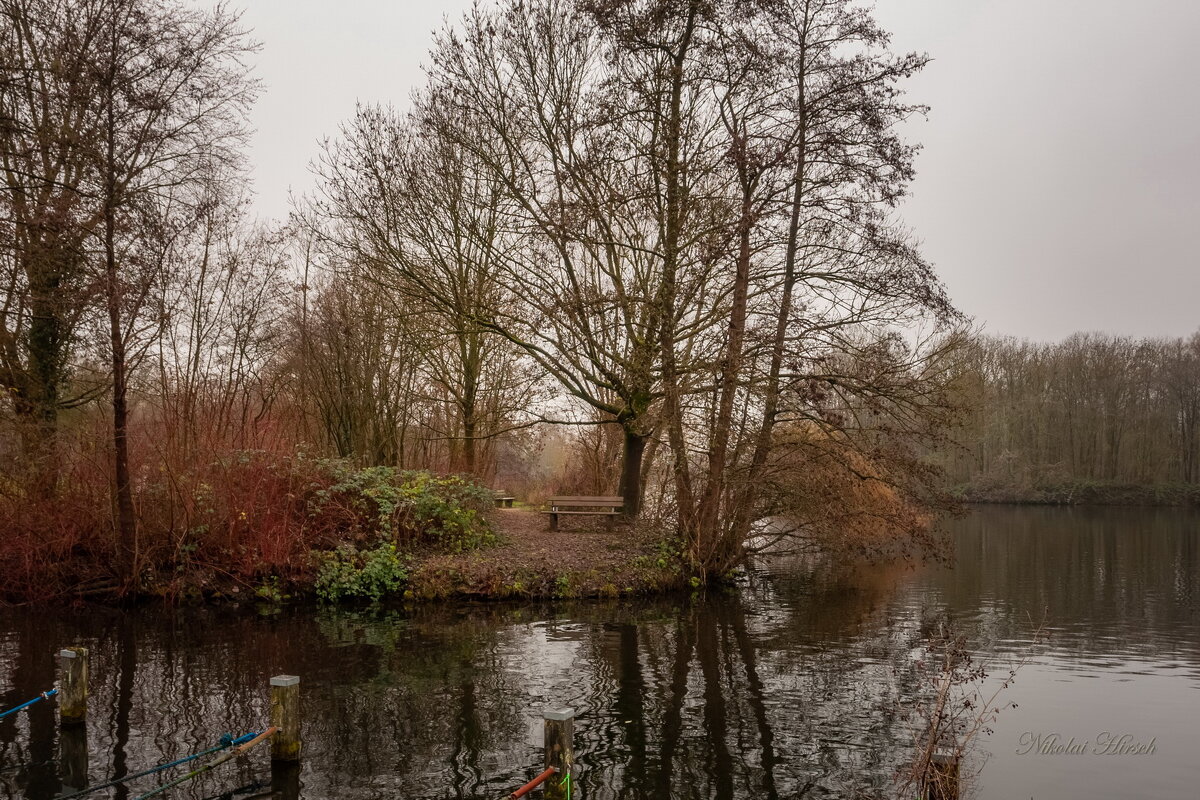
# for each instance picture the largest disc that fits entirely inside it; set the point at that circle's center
(503, 499)
(607, 507)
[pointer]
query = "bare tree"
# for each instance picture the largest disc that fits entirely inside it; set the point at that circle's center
(531, 92)
(173, 89)
(224, 306)
(409, 207)
(801, 100)
(47, 128)
(356, 364)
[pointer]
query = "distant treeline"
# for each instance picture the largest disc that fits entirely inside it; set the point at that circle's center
(1094, 418)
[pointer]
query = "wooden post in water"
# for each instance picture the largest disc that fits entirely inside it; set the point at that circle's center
(285, 714)
(73, 689)
(941, 781)
(560, 750)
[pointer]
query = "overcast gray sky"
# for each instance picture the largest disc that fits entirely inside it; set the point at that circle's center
(1058, 188)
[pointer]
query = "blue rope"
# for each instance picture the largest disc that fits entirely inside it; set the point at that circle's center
(227, 741)
(203, 768)
(28, 703)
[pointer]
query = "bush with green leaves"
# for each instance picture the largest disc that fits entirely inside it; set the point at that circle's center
(405, 507)
(349, 573)
(446, 511)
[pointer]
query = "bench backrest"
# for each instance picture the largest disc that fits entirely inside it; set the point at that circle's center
(580, 501)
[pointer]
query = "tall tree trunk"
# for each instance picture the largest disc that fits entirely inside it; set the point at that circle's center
(630, 486)
(667, 296)
(126, 520)
(472, 367)
(1191, 442)
(771, 393)
(39, 405)
(468, 442)
(713, 550)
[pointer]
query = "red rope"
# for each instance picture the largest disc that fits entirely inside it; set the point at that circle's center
(533, 784)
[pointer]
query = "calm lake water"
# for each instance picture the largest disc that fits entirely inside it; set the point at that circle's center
(788, 687)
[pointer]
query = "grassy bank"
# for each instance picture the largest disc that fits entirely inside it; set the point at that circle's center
(258, 524)
(1100, 493)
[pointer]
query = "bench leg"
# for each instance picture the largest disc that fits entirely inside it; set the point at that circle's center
(553, 522)
(608, 523)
